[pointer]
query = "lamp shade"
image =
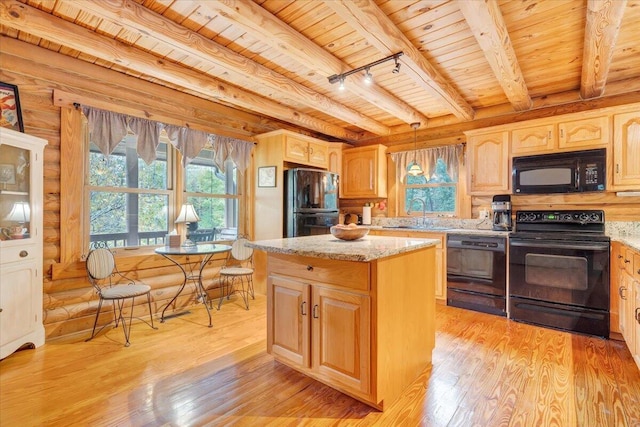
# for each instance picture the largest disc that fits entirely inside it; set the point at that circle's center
(187, 214)
(20, 212)
(415, 169)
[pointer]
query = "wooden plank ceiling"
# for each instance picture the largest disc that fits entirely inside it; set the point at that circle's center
(461, 60)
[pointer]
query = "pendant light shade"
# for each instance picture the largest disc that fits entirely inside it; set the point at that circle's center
(414, 168)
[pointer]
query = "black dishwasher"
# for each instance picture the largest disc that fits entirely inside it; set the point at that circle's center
(477, 273)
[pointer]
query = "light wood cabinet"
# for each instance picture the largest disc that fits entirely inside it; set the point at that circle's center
(530, 140)
(627, 264)
(626, 151)
(305, 151)
(441, 255)
(616, 289)
(364, 172)
(583, 134)
(635, 315)
(560, 135)
(488, 160)
(364, 328)
(21, 198)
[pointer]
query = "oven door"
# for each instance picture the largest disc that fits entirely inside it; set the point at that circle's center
(574, 273)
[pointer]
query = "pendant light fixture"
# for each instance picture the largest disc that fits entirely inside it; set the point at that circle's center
(414, 168)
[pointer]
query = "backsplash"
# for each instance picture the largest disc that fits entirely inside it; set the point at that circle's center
(476, 224)
(622, 228)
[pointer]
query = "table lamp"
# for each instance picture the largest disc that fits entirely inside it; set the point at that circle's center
(20, 213)
(187, 215)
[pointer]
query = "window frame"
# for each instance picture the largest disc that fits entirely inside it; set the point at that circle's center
(176, 190)
(459, 185)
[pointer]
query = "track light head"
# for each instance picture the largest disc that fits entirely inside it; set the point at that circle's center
(368, 77)
(341, 87)
(396, 70)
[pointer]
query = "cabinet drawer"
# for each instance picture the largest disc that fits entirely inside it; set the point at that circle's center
(346, 274)
(18, 253)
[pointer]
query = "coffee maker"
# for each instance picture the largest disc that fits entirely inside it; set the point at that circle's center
(501, 207)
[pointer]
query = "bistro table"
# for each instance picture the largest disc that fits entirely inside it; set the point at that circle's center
(177, 254)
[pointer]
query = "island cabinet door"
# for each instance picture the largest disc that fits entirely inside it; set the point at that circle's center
(341, 352)
(288, 322)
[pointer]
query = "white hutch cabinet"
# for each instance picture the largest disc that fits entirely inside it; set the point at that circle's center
(21, 199)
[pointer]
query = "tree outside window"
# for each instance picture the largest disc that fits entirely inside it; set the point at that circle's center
(438, 191)
(129, 201)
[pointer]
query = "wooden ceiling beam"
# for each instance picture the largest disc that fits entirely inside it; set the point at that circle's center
(487, 24)
(603, 24)
(370, 22)
(140, 20)
(278, 35)
(18, 16)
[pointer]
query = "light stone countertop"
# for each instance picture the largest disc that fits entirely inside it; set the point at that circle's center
(474, 231)
(631, 241)
(369, 248)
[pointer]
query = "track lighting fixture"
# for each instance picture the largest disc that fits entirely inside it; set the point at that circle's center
(368, 77)
(414, 168)
(396, 70)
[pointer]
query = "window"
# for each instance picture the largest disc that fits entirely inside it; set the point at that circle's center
(435, 192)
(131, 203)
(128, 199)
(214, 195)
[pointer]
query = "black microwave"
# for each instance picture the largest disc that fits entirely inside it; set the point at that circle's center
(570, 172)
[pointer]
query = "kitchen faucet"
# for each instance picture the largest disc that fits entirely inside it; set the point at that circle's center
(424, 210)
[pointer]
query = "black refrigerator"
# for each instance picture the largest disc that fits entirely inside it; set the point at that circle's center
(311, 202)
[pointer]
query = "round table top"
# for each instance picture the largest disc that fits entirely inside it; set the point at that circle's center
(192, 250)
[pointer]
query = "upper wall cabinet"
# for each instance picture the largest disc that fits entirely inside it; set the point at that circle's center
(560, 134)
(584, 133)
(305, 150)
(534, 139)
(364, 172)
(626, 151)
(488, 160)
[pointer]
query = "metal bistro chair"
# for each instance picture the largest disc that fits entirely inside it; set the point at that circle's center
(238, 267)
(106, 279)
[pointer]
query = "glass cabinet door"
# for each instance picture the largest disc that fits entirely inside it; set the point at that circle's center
(15, 201)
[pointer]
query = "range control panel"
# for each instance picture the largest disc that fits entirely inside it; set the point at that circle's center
(560, 217)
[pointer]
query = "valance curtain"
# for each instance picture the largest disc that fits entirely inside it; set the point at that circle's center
(108, 128)
(427, 158)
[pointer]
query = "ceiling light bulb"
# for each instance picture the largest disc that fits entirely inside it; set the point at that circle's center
(341, 87)
(368, 78)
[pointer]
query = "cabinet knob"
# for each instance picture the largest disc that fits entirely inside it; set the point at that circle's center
(23, 254)
(621, 289)
(619, 256)
(309, 267)
(638, 314)
(627, 261)
(315, 311)
(302, 308)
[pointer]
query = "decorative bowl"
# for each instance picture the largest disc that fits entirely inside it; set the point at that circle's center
(348, 233)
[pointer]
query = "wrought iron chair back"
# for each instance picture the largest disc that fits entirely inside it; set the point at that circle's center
(238, 268)
(113, 286)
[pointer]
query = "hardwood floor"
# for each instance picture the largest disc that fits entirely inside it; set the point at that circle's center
(487, 371)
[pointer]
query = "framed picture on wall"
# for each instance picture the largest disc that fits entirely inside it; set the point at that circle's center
(267, 176)
(10, 112)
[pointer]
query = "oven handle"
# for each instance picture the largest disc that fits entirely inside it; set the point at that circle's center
(583, 246)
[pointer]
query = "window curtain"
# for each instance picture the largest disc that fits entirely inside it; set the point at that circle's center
(107, 129)
(427, 158)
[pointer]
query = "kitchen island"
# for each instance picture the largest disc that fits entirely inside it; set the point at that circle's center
(358, 315)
